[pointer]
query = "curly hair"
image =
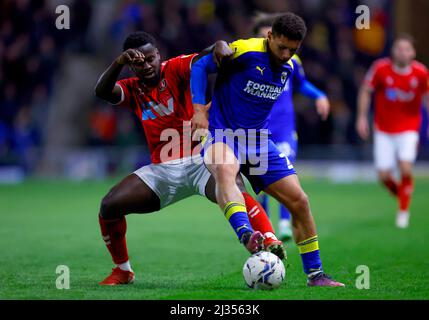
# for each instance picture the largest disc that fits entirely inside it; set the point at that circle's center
(289, 25)
(138, 39)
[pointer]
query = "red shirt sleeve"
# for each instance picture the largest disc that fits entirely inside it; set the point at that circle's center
(181, 66)
(372, 76)
(126, 96)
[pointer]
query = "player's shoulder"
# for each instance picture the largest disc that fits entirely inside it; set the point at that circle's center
(419, 67)
(252, 45)
(382, 63)
(179, 58)
(296, 59)
(177, 62)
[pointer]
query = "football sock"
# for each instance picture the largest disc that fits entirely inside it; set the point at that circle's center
(264, 200)
(405, 191)
(258, 217)
(391, 185)
(284, 213)
(126, 266)
(113, 232)
(309, 250)
(236, 214)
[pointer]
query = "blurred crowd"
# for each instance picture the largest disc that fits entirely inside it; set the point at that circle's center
(31, 51)
(335, 56)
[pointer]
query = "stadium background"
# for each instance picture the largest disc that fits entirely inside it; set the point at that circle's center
(53, 129)
(51, 123)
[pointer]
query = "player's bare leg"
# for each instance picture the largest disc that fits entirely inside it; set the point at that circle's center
(405, 190)
(131, 195)
(387, 179)
(260, 221)
(224, 166)
(258, 218)
(288, 192)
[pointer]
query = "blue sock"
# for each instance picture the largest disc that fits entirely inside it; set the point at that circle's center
(236, 214)
(284, 212)
(309, 250)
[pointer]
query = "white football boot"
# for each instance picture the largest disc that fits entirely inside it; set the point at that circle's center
(402, 219)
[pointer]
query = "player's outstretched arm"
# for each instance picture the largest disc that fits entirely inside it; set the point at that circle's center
(106, 87)
(309, 90)
(203, 64)
(363, 104)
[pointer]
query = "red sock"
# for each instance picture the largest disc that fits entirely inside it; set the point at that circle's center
(113, 232)
(405, 191)
(258, 217)
(392, 186)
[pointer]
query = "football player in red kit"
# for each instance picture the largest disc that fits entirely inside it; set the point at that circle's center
(159, 95)
(400, 85)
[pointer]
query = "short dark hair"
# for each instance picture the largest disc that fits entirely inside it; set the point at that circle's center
(289, 25)
(138, 39)
(406, 37)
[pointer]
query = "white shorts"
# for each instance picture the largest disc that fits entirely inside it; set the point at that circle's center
(175, 180)
(388, 148)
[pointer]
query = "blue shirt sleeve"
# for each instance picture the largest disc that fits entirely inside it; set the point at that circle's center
(199, 72)
(309, 90)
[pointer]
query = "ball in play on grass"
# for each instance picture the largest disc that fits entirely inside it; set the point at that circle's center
(264, 270)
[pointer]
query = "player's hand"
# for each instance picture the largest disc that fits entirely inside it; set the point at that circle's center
(323, 107)
(130, 56)
(221, 51)
(362, 127)
(199, 122)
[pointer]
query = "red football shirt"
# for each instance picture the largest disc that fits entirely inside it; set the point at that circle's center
(165, 111)
(398, 97)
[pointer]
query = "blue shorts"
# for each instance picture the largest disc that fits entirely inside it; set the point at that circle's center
(260, 160)
(287, 142)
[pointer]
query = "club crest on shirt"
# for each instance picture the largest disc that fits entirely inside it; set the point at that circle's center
(414, 82)
(284, 77)
(162, 85)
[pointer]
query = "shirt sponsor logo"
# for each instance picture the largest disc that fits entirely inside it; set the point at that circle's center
(261, 70)
(395, 94)
(263, 90)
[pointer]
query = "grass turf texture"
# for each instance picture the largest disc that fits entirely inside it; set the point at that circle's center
(188, 251)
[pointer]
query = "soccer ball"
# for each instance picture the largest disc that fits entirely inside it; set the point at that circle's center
(264, 270)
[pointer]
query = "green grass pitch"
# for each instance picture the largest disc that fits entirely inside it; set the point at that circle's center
(188, 251)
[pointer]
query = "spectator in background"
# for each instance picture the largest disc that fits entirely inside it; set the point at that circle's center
(32, 49)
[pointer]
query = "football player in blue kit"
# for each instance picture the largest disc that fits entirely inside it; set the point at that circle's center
(282, 123)
(248, 84)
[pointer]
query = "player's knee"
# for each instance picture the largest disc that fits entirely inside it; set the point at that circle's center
(109, 207)
(384, 176)
(224, 173)
(406, 171)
